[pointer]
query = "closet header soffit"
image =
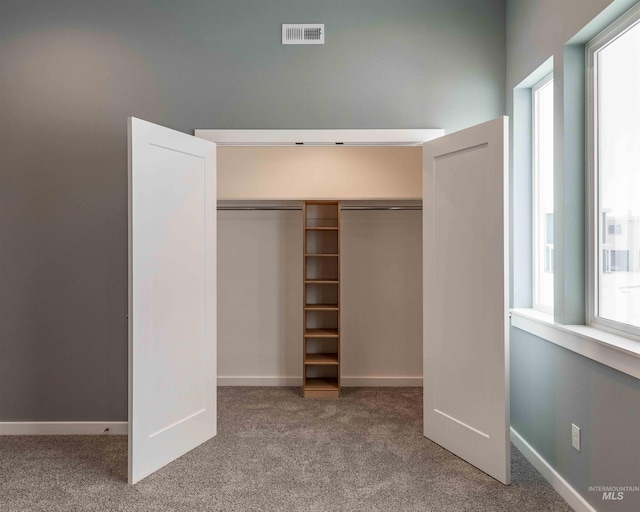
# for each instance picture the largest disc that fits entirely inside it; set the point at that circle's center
(368, 137)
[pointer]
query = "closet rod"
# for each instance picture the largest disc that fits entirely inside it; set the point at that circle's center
(234, 208)
(381, 208)
(298, 208)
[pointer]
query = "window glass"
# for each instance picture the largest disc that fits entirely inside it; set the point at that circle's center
(617, 179)
(542, 96)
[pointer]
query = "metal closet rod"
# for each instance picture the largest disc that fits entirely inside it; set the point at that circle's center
(259, 208)
(381, 207)
(298, 208)
(277, 208)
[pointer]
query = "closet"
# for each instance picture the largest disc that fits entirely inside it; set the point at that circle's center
(264, 303)
(260, 293)
(177, 266)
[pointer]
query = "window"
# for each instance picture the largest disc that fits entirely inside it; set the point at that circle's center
(542, 149)
(613, 83)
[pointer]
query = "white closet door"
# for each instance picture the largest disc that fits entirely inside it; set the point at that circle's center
(466, 356)
(172, 295)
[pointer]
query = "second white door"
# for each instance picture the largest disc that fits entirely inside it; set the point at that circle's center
(466, 349)
(172, 295)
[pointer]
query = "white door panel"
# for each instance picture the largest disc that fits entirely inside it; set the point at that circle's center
(466, 393)
(172, 303)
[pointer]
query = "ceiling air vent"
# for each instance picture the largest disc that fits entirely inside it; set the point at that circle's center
(303, 33)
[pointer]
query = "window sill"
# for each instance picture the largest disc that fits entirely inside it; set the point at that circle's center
(618, 352)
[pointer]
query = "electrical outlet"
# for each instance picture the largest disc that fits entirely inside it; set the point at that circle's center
(575, 436)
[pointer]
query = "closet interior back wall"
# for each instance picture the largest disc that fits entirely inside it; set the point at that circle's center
(259, 297)
(381, 310)
(260, 292)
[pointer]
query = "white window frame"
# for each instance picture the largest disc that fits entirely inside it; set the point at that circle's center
(599, 42)
(535, 199)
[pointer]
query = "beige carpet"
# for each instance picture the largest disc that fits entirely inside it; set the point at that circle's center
(275, 452)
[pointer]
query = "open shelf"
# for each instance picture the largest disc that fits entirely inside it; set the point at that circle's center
(321, 333)
(328, 255)
(321, 281)
(321, 359)
(322, 384)
(321, 307)
(315, 218)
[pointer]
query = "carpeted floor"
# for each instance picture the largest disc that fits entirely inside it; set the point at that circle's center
(274, 452)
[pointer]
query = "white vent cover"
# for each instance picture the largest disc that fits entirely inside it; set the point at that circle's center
(303, 33)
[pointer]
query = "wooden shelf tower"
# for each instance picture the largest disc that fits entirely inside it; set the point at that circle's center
(321, 297)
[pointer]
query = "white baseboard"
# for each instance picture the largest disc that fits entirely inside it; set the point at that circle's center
(259, 381)
(64, 428)
(571, 496)
(346, 381)
(384, 382)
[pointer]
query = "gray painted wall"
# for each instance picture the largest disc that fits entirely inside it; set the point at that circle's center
(72, 71)
(552, 387)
